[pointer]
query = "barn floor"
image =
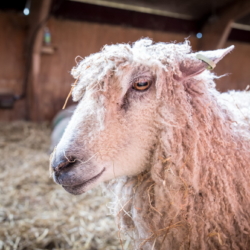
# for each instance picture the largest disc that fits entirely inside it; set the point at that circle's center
(35, 213)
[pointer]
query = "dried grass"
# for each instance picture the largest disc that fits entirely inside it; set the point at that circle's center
(35, 213)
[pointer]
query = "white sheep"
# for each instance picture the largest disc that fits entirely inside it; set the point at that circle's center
(175, 152)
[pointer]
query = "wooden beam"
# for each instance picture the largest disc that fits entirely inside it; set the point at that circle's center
(38, 16)
(135, 6)
(216, 32)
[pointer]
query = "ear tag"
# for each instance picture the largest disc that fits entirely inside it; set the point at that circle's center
(211, 64)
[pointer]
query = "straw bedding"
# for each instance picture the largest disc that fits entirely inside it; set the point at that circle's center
(35, 213)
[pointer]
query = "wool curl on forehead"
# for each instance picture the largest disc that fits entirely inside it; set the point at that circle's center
(95, 70)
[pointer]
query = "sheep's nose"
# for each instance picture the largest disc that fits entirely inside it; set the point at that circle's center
(60, 162)
(64, 169)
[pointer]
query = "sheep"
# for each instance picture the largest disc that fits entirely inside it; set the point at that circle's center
(172, 149)
(59, 124)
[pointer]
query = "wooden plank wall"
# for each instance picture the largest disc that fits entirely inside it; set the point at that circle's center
(237, 67)
(71, 38)
(13, 32)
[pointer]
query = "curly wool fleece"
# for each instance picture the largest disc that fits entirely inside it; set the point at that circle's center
(195, 193)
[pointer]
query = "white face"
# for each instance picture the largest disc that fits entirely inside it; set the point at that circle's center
(111, 133)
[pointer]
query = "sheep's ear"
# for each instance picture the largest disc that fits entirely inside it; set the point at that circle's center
(196, 63)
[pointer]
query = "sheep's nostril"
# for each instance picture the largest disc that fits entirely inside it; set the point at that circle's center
(60, 164)
(65, 164)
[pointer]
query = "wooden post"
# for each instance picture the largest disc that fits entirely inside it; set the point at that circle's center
(215, 33)
(38, 16)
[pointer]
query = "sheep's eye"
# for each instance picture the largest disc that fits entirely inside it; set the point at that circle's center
(140, 86)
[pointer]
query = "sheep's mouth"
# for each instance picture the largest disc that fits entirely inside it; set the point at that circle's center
(83, 187)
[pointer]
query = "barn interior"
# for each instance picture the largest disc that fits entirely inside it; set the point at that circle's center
(40, 42)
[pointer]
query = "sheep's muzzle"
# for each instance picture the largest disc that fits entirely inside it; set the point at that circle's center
(74, 177)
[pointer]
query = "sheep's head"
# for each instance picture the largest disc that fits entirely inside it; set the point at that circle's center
(124, 95)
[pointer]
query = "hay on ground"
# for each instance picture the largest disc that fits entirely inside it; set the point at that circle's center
(35, 213)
